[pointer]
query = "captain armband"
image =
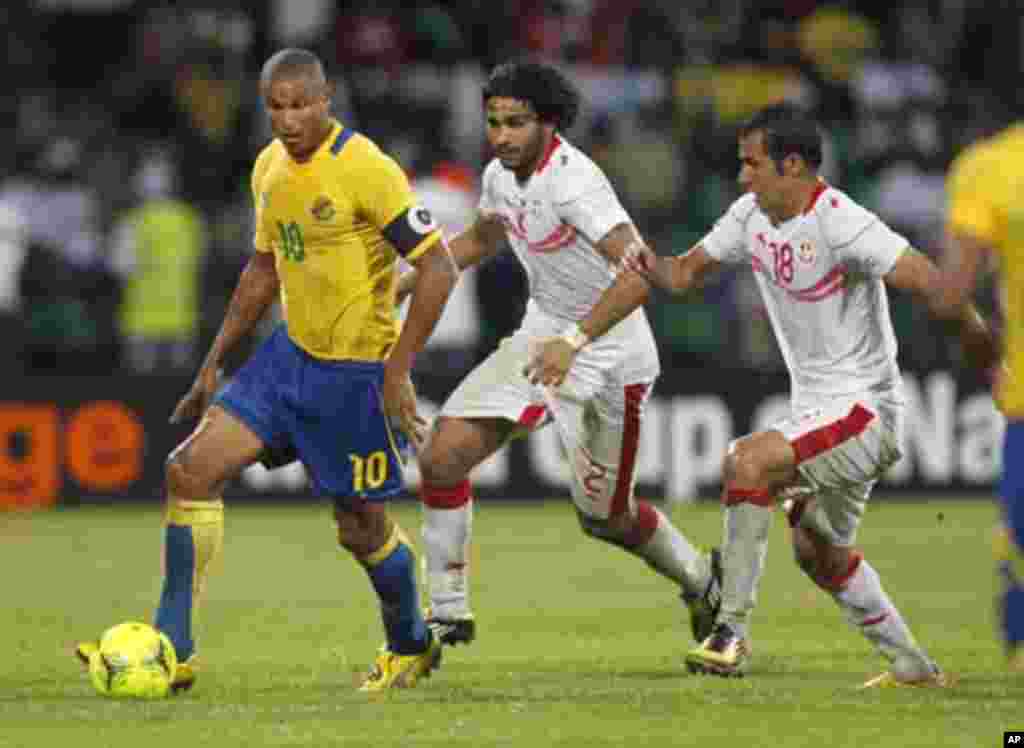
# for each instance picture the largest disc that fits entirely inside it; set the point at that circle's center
(410, 229)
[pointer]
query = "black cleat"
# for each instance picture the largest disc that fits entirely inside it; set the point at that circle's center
(704, 609)
(453, 631)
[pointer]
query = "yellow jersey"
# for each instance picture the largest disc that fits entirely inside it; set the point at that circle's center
(336, 224)
(984, 191)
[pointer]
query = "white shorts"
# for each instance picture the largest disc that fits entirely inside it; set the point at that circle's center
(598, 414)
(842, 450)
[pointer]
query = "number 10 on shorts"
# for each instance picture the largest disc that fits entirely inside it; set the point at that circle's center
(369, 471)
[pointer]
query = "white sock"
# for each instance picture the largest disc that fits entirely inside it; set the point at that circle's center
(744, 550)
(868, 608)
(669, 553)
(446, 538)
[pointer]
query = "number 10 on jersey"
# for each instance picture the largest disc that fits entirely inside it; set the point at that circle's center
(369, 471)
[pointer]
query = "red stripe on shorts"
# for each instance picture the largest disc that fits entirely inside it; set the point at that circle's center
(813, 443)
(635, 394)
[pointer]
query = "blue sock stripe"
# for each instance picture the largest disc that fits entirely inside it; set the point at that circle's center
(394, 579)
(174, 616)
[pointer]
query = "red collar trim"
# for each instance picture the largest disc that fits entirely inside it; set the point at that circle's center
(822, 186)
(555, 142)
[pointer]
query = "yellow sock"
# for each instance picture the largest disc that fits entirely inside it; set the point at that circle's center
(193, 540)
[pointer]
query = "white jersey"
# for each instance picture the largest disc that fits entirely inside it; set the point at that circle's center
(552, 223)
(820, 275)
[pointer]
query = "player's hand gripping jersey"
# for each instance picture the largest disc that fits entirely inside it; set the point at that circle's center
(820, 275)
(334, 223)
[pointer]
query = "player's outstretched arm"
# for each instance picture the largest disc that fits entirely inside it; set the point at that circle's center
(435, 278)
(621, 247)
(256, 290)
(677, 275)
(959, 269)
(949, 300)
(483, 239)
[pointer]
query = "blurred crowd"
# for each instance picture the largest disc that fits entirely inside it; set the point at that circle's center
(125, 212)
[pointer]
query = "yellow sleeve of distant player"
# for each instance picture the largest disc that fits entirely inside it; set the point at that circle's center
(260, 239)
(973, 191)
(385, 198)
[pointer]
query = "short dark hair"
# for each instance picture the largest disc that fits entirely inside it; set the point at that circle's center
(787, 131)
(289, 62)
(543, 87)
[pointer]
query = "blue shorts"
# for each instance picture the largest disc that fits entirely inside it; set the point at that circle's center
(328, 414)
(1011, 489)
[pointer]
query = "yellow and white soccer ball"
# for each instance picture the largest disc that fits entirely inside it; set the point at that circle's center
(133, 661)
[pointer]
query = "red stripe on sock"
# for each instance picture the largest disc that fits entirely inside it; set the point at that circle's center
(757, 496)
(876, 619)
(437, 497)
(644, 527)
(831, 435)
(837, 583)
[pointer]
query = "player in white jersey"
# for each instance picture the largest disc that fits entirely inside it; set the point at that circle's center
(822, 263)
(560, 215)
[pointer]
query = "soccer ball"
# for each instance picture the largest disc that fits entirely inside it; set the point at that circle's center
(134, 661)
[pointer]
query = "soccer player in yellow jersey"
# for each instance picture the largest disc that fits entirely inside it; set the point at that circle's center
(985, 217)
(331, 386)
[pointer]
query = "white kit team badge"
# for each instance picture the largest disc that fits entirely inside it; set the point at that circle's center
(806, 253)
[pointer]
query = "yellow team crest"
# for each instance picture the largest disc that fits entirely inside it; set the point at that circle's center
(323, 208)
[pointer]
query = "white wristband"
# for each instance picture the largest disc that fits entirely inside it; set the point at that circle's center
(575, 337)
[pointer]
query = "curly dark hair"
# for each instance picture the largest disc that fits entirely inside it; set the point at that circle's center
(543, 87)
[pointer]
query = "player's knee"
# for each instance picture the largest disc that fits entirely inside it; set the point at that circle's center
(361, 532)
(804, 552)
(827, 565)
(611, 530)
(433, 467)
(741, 467)
(183, 481)
(440, 465)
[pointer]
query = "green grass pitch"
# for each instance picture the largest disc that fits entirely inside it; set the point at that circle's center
(579, 644)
